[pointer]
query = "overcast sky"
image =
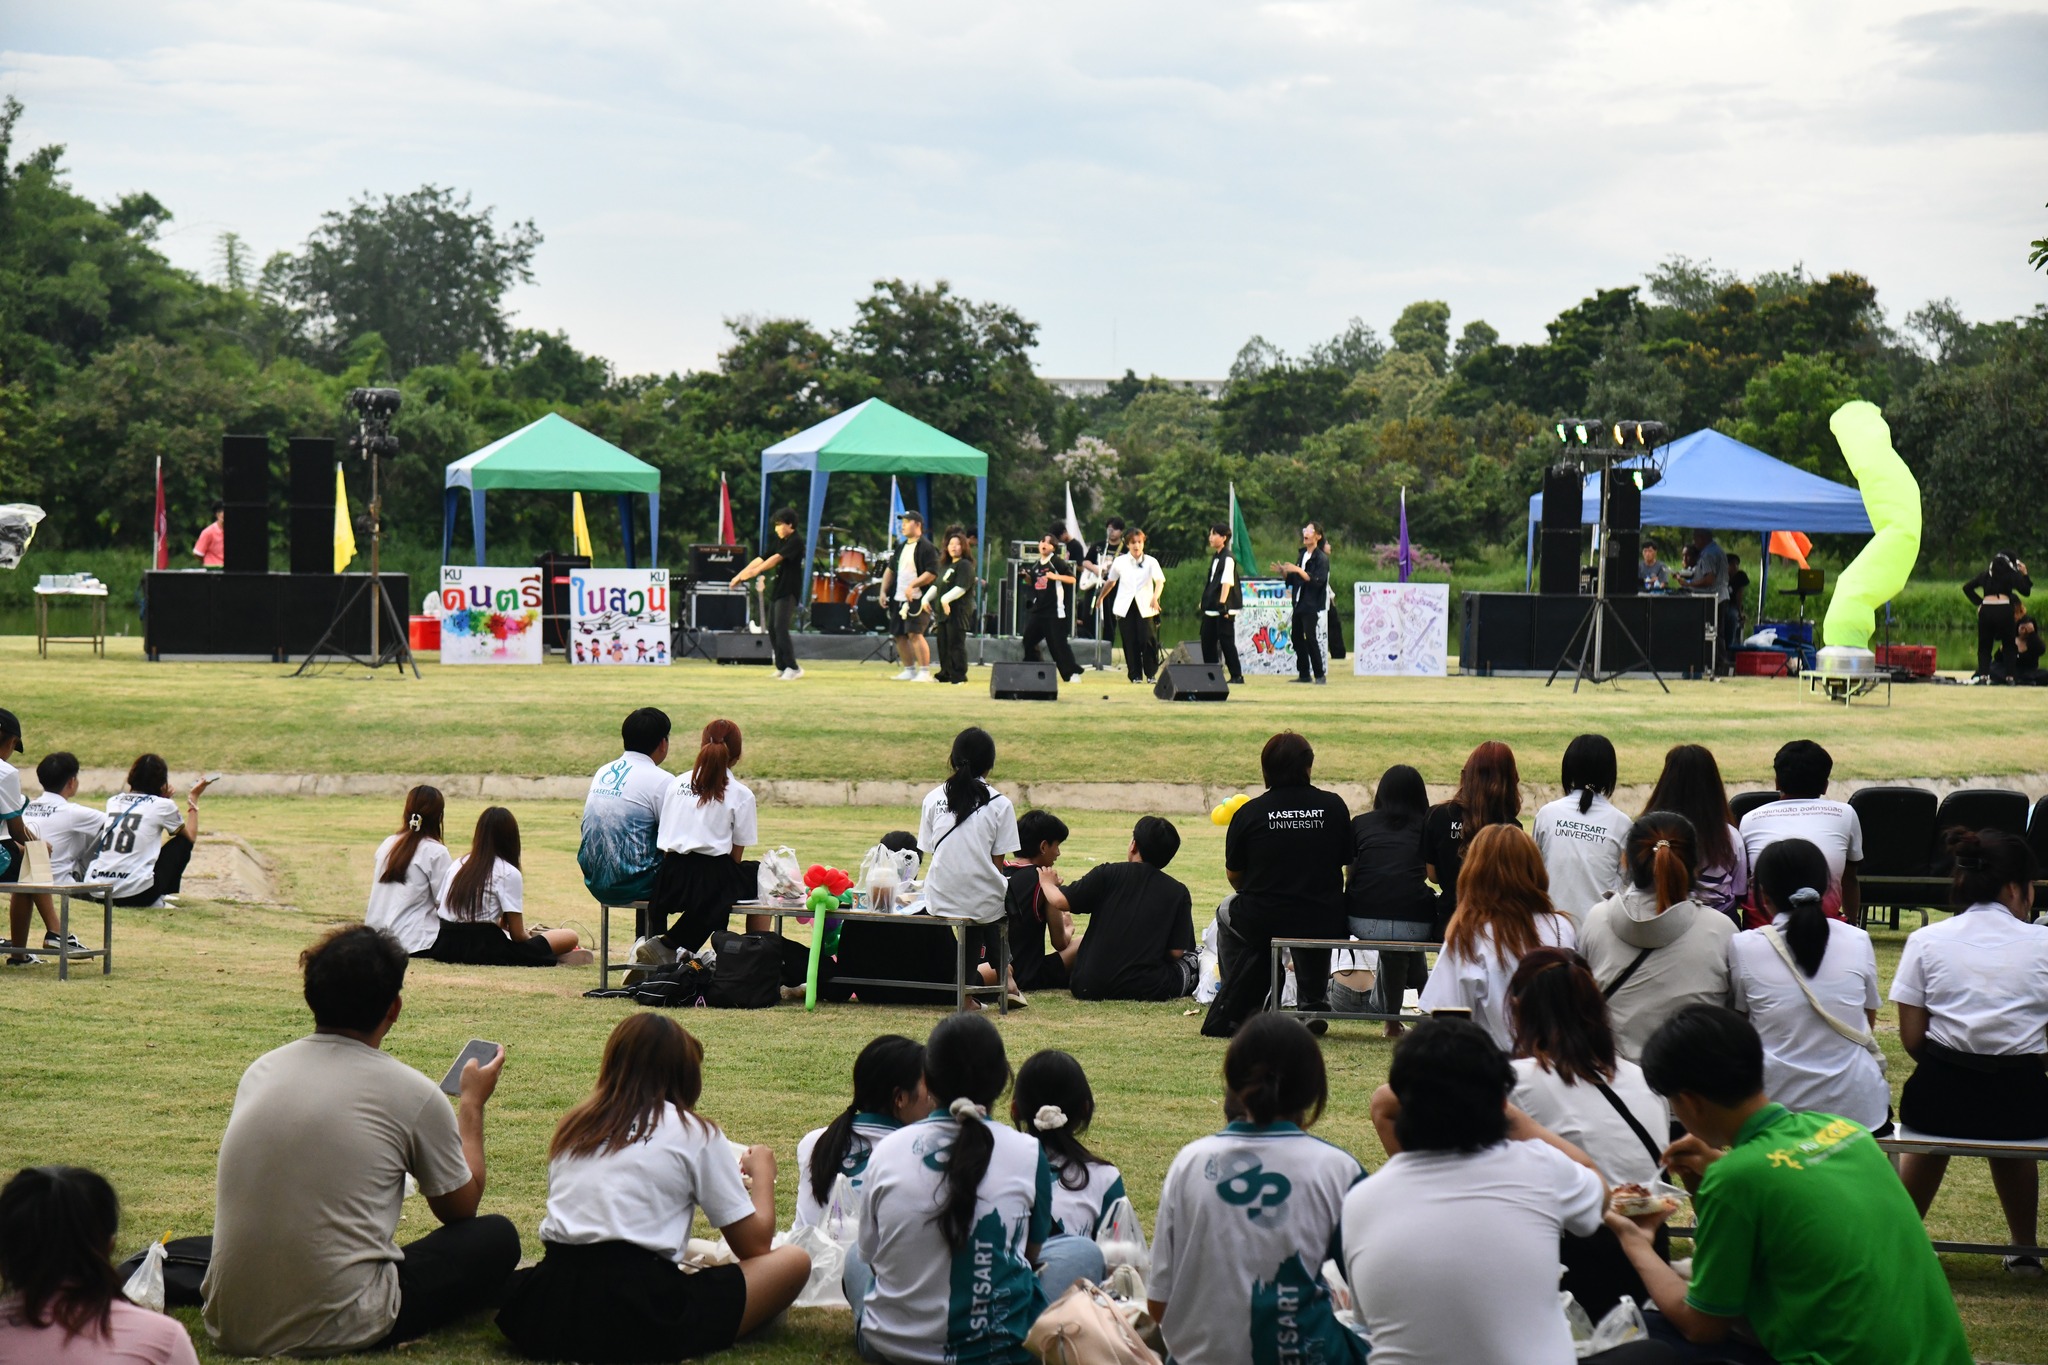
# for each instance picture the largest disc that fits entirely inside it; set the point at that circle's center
(1150, 182)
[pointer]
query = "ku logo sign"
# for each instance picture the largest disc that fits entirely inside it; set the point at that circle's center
(1254, 1189)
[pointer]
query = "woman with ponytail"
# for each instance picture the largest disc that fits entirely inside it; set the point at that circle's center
(1248, 1216)
(1796, 1005)
(411, 871)
(956, 1211)
(966, 831)
(1580, 835)
(1652, 948)
(707, 822)
(888, 1092)
(1972, 993)
(1054, 1103)
(483, 907)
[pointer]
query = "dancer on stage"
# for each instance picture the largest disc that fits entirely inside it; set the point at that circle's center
(1095, 561)
(951, 599)
(1992, 593)
(788, 586)
(903, 585)
(1221, 598)
(1048, 602)
(1310, 584)
(1138, 581)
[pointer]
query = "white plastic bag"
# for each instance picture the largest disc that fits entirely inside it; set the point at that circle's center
(1623, 1323)
(146, 1286)
(827, 1242)
(17, 528)
(1210, 978)
(1121, 1238)
(780, 881)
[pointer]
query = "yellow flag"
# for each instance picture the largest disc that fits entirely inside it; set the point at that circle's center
(582, 528)
(344, 527)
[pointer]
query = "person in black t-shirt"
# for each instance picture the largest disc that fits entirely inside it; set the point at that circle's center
(951, 601)
(1489, 793)
(1285, 853)
(1386, 893)
(784, 590)
(1140, 943)
(1034, 908)
(1048, 607)
(1222, 595)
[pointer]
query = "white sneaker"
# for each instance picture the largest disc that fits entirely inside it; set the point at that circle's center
(23, 960)
(52, 943)
(907, 675)
(784, 674)
(792, 673)
(923, 675)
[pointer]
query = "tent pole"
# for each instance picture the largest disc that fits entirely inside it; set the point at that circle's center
(762, 543)
(654, 529)
(476, 523)
(819, 480)
(1529, 557)
(924, 503)
(450, 499)
(981, 547)
(626, 529)
(1763, 577)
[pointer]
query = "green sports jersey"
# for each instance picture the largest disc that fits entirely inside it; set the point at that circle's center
(1805, 1230)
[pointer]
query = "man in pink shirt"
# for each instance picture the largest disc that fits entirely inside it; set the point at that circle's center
(209, 547)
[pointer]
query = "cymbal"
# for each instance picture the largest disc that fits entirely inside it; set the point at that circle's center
(835, 530)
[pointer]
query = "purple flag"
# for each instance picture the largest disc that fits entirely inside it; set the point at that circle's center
(1404, 558)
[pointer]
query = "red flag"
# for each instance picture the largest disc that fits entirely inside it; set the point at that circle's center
(728, 534)
(162, 524)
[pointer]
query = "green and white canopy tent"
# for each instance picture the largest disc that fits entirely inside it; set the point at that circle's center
(553, 454)
(873, 438)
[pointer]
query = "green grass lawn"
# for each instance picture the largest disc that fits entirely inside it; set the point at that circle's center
(134, 1074)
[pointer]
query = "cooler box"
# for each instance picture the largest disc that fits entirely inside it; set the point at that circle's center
(1917, 660)
(425, 632)
(1763, 663)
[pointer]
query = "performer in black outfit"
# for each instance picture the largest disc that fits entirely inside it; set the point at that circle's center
(1048, 599)
(951, 598)
(1310, 583)
(1992, 593)
(1221, 598)
(1096, 559)
(788, 586)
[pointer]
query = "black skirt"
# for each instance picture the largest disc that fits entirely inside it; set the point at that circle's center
(701, 888)
(619, 1302)
(1950, 1095)
(481, 943)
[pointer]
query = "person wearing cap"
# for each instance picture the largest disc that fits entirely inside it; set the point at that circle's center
(12, 806)
(903, 584)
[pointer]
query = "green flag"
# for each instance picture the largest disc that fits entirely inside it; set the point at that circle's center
(1241, 540)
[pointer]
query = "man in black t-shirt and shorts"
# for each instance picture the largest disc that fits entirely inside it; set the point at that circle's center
(784, 591)
(1140, 943)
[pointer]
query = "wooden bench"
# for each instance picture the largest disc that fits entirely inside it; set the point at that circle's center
(1341, 945)
(103, 892)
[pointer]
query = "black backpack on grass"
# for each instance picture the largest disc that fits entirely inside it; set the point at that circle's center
(748, 972)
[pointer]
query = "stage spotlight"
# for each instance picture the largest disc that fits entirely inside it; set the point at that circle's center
(1563, 430)
(1584, 430)
(1652, 434)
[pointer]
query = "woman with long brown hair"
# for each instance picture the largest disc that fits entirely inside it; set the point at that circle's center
(1489, 793)
(1504, 914)
(707, 821)
(1690, 785)
(483, 906)
(411, 872)
(627, 1171)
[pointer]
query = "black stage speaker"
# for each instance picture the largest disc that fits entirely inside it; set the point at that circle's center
(311, 533)
(742, 647)
(309, 523)
(717, 608)
(554, 618)
(1024, 682)
(1191, 682)
(1678, 634)
(832, 618)
(178, 613)
(1564, 498)
(1499, 633)
(1625, 532)
(1557, 562)
(1624, 501)
(245, 488)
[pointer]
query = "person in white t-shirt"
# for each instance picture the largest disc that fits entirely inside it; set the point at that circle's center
(1248, 1216)
(1803, 811)
(1053, 1102)
(1503, 912)
(1581, 833)
(134, 853)
(1138, 581)
(72, 831)
(1570, 1078)
(955, 1213)
(618, 853)
(1809, 1065)
(1468, 1175)
(966, 829)
(410, 874)
(707, 822)
(627, 1171)
(13, 830)
(483, 906)
(888, 1092)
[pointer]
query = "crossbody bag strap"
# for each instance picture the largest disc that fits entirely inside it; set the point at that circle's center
(1854, 1035)
(1649, 1143)
(1607, 992)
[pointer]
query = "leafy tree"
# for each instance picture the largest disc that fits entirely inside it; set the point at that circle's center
(1254, 358)
(1186, 490)
(1690, 286)
(1404, 385)
(1785, 411)
(2038, 256)
(1424, 329)
(1357, 348)
(1626, 382)
(779, 376)
(1475, 337)
(1274, 409)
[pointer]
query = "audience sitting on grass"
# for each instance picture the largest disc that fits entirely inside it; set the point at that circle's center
(311, 1183)
(72, 831)
(1489, 793)
(1580, 835)
(1387, 893)
(1802, 811)
(888, 1092)
(1803, 1230)
(410, 874)
(63, 1300)
(1570, 1079)
(619, 854)
(1652, 948)
(1248, 1216)
(707, 823)
(966, 829)
(1285, 855)
(483, 906)
(1690, 785)
(1467, 1169)
(134, 853)
(627, 1171)
(1031, 912)
(1053, 1102)
(1972, 993)
(1811, 993)
(1140, 943)
(1503, 914)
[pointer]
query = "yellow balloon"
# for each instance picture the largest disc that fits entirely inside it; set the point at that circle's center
(1221, 815)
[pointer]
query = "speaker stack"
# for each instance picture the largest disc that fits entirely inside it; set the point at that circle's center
(1624, 531)
(309, 524)
(245, 488)
(1023, 682)
(1191, 682)
(1557, 558)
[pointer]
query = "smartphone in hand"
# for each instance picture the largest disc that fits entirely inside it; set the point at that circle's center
(475, 1050)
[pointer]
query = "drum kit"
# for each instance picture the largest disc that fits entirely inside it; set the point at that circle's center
(849, 575)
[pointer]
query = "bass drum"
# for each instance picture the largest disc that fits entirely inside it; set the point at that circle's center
(827, 587)
(869, 608)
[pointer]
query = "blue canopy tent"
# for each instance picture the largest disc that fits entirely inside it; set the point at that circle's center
(553, 453)
(873, 438)
(1716, 481)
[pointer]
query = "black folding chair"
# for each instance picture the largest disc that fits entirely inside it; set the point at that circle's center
(1898, 839)
(1742, 803)
(2037, 831)
(1976, 808)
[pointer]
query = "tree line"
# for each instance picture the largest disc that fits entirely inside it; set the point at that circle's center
(111, 357)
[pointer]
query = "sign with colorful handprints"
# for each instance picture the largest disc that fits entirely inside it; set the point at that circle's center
(1265, 628)
(1401, 629)
(618, 616)
(490, 616)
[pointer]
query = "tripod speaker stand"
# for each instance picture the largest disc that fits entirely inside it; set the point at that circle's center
(373, 441)
(1586, 651)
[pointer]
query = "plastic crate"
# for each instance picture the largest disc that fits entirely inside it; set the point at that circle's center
(1917, 660)
(1764, 663)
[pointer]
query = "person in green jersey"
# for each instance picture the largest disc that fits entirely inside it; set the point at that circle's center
(1804, 1230)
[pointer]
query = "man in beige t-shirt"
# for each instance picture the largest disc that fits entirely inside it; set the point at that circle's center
(312, 1179)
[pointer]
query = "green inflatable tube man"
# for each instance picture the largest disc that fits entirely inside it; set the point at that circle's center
(1891, 496)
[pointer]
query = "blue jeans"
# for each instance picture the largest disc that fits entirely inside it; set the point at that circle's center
(1399, 972)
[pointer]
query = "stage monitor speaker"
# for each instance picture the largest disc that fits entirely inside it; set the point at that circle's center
(310, 462)
(719, 608)
(246, 537)
(178, 613)
(1557, 562)
(1191, 682)
(1499, 634)
(832, 618)
(1024, 682)
(1564, 498)
(310, 532)
(716, 563)
(1678, 634)
(742, 647)
(1624, 501)
(244, 469)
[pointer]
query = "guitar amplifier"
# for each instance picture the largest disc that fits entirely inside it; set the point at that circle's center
(717, 563)
(718, 608)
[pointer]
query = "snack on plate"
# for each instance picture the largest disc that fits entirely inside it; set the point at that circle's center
(1643, 1201)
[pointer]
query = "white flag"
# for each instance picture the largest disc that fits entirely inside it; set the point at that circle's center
(1073, 522)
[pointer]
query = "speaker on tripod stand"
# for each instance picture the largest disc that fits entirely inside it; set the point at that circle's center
(1624, 542)
(1563, 536)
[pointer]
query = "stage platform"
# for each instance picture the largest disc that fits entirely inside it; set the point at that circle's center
(981, 649)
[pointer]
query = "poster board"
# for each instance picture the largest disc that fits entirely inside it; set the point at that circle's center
(619, 616)
(1265, 628)
(490, 616)
(1401, 630)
